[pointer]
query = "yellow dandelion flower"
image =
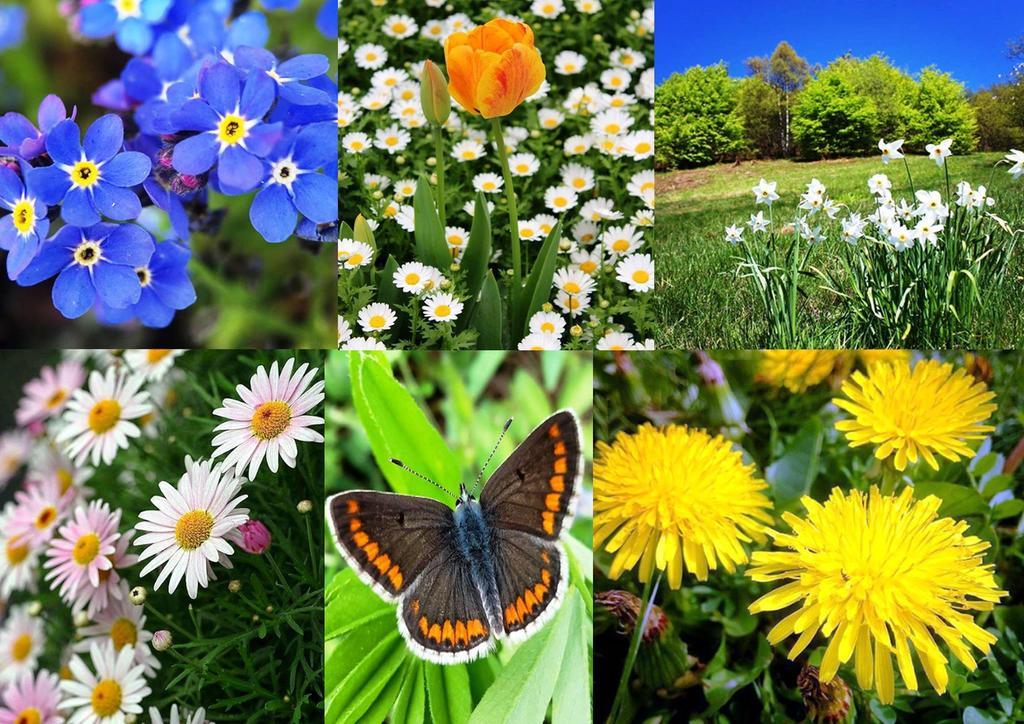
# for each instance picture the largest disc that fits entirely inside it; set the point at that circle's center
(926, 411)
(673, 495)
(798, 369)
(879, 576)
(871, 357)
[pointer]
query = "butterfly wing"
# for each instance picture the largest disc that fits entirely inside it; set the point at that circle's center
(535, 489)
(532, 575)
(387, 538)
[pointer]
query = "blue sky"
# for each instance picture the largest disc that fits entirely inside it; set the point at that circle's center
(966, 38)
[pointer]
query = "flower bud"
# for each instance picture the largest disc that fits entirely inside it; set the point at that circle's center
(304, 506)
(81, 619)
(162, 640)
(255, 537)
(576, 330)
(825, 702)
(235, 586)
(35, 608)
(434, 96)
(138, 595)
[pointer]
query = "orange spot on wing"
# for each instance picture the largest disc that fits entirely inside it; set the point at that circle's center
(544, 556)
(423, 625)
(511, 616)
(361, 539)
(557, 483)
(548, 520)
(559, 448)
(371, 551)
(435, 633)
(415, 606)
(561, 466)
(551, 500)
(540, 590)
(554, 432)
(395, 574)
(353, 507)
(474, 629)
(521, 608)
(354, 525)
(545, 577)
(448, 633)
(383, 563)
(530, 600)
(461, 634)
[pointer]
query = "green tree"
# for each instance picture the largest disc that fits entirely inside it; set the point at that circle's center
(787, 72)
(832, 119)
(938, 110)
(757, 104)
(888, 88)
(1000, 114)
(695, 118)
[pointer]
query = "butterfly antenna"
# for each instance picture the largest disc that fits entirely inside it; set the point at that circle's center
(480, 476)
(421, 476)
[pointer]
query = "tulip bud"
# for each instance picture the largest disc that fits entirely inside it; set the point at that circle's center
(434, 96)
(255, 537)
(138, 595)
(162, 640)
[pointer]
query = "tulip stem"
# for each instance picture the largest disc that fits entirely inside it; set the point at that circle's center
(439, 154)
(510, 194)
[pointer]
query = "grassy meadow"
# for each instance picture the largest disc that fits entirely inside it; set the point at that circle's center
(701, 303)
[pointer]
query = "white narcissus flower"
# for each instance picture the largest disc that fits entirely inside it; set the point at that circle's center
(939, 152)
(1017, 159)
(734, 234)
(99, 419)
(890, 151)
(757, 222)
(764, 192)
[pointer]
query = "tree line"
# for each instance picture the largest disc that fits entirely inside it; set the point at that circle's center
(785, 108)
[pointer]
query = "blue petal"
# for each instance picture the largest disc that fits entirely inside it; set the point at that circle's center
(51, 112)
(49, 183)
(115, 202)
(174, 288)
(23, 251)
(316, 196)
(8, 234)
(140, 79)
(304, 67)
(171, 57)
(52, 257)
(15, 128)
(316, 147)
(257, 95)
(327, 19)
(78, 208)
(155, 10)
(249, 28)
(195, 155)
(239, 171)
(249, 58)
(11, 187)
(116, 285)
(151, 311)
(219, 86)
(195, 115)
(272, 213)
(128, 244)
(263, 137)
(303, 95)
(104, 138)
(73, 292)
(97, 20)
(127, 169)
(134, 36)
(62, 143)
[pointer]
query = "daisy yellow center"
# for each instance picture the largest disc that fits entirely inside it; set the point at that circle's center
(488, 185)
(106, 698)
(65, 479)
(155, 355)
(455, 240)
(640, 276)
(28, 716)
(588, 267)
(271, 419)
(16, 553)
(87, 253)
(579, 183)
(84, 174)
(355, 259)
(87, 547)
(522, 168)
(547, 327)
(572, 287)
(612, 128)
(620, 245)
(231, 129)
(24, 216)
(377, 321)
(46, 517)
(643, 147)
(412, 279)
(193, 529)
(123, 633)
(398, 27)
(57, 398)
(22, 647)
(104, 415)
(442, 310)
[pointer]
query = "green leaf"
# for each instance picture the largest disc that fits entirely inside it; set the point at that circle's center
(488, 317)
(371, 672)
(397, 428)
(349, 604)
(957, 500)
(362, 232)
(431, 247)
(996, 484)
(385, 700)
(1008, 509)
(523, 689)
(478, 248)
(720, 686)
(386, 290)
(411, 701)
(537, 288)
(448, 693)
(793, 472)
(572, 705)
(973, 715)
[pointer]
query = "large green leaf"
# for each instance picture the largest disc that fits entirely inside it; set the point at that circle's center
(397, 428)
(387, 291)
(370, 659)
(478, 249)
(958, 501)
(411, 702)
(537, 288)
(431, 247)
(448, 693)
(572, 703)
(349, 604)
(487, 319)
(793, 472)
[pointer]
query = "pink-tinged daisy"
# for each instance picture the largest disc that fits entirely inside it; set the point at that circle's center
(192, 526)
(196, 717)
(18, 560)
(270, 419)
(47, 394)
(48, 463)
(32, 700)
(152, 364)
(21, 642)
(98, 419)
(37, 511)
(14, 449)
(116, 688)
(123, 624)
(80, 550)
(112, 588)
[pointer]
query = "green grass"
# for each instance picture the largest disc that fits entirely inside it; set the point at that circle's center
(701, 303)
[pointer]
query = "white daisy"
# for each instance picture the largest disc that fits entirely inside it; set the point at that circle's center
(616, 341)
(153, 364)
(636, 271)
(538, 341)
(14, 449)
(547, 323)
(196, 717)
(270, 418)
(21, 642)
(442, 307)
(411, 277)
(98, 420)
(376, 317)
(363, 343)
(116, 689)
(353, 254)
(344, 330)
(123, 624)
(192, 526)
(18, 561)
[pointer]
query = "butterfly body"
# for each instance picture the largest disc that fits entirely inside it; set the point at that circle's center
(493, 568)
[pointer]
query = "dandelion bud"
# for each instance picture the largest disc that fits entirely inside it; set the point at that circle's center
(162, 640)
(81, 619)
(434, 96)
(255, 537)
(235, 586)
(733, 414)
(978, 367)
(827, 703)
(304, 506)
(138, 595)
(576, 330)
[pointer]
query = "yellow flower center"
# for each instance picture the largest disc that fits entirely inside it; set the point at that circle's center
(412, 279)
(588, 267)
(522, 168)
(193, 529)
(84, 174)
(488, 185)
(572, 287)
(87, 253)
(16, 553)
(155, 355)
(104, 415)
(547, 327)
(65, 479)
(377, 321)
(442, 310)
(455, 240)
(28, 716)
(355, 259)
(398, 27)
(468, 155)
(106, 698)
(620, 245)
(640, 276)
(56, 399)
(46, 517)
(87, 547)
(123, 633)
(579, 183)
(127, 8)
(24, 216)
(612, 128)
(643, 147)
(573, 303)
(22, 647)
(231, 130)
(271, 419)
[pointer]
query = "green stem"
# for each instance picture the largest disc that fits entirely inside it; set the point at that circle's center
(510, 194)
(650, 591)
(439, 155)
(891, 478)
(906, 164)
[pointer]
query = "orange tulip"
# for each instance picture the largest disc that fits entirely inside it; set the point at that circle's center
(493, 68)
